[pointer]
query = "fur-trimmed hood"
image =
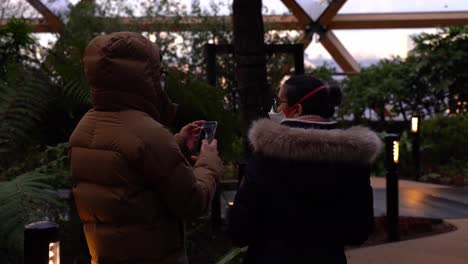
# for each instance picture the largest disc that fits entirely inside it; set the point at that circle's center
(356, 144)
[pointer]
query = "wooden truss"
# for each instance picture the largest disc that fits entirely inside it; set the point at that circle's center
(329, 20)
(300, 20)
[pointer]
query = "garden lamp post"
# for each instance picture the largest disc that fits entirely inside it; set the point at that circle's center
(392, 153)
(41, 243)
(415, 130)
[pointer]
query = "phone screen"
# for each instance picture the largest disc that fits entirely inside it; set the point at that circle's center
(207, 132)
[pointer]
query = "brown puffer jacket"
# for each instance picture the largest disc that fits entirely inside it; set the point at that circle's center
(132, 186)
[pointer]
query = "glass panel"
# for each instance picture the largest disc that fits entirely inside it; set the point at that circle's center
(17, 8)
(382, 6)
(389, 6)
(21, 8)
(58, 7)
(314, 8)
(367, 46)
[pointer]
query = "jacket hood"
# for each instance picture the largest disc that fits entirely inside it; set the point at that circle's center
(123, 70)
(356, 144)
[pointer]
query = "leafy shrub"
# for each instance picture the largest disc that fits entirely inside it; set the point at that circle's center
(444, 150)
(431, 177)
(444, 140)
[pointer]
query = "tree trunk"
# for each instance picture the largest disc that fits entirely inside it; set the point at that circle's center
(250, 56)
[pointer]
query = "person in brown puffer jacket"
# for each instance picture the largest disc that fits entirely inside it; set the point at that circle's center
(133, 187)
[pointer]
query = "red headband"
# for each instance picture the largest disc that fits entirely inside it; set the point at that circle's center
(305, 97)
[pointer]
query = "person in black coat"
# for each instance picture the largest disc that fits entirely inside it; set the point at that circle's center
(306, 193)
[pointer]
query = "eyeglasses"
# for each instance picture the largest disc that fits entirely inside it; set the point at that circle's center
(277, 102)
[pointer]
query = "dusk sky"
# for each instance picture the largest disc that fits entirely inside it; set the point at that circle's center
(377, 43)
(363, 44)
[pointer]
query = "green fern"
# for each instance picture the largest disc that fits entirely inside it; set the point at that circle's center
(25, 105)
(235, 255)
(28, 197)
(53, 161)
(23, 200)
(32, 94)
(71, 96)
(22, 108)
(75, 93)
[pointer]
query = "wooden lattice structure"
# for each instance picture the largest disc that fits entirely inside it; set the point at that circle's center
(300, 20)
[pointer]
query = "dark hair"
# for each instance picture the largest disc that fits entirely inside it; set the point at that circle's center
(322, 103)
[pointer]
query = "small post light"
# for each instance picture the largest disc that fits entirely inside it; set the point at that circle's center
(41, 243)
(414, 124)
(396, 152)
(392, 146)
(415, 131)
(54, 253)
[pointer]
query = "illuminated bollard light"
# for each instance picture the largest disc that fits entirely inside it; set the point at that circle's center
(41, 243)
(415, 131)
(392, 153)
(415, 124)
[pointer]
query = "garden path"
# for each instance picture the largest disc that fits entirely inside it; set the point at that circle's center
(424, 200)
(416, 199)
(447, 248)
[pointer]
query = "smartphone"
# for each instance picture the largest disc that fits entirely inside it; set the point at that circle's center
(207, 132)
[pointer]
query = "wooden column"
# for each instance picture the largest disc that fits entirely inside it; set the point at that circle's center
(298, 59)
(210, 60)
(250, 56)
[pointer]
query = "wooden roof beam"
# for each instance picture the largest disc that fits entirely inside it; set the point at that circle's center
(301, 15)
(399, 20)
(329, 41)
(339, 53)
(53, 20)
(177, 24)
(38, 25)
(331, 11)
(341, 21)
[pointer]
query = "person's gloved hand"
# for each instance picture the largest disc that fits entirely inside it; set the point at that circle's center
(188, 135)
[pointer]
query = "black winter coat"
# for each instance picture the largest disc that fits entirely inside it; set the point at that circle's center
(306, 193)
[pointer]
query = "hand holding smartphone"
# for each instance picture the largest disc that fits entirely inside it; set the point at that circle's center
(207, 132)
